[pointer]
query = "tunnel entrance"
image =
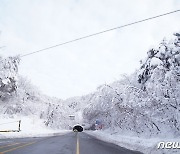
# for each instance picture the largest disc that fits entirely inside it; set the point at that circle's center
(77, 128)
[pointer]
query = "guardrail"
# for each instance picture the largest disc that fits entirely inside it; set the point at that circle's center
(18, 130)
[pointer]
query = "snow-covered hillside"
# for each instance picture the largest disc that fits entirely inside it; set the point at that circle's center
(20, 99)
(147, 103)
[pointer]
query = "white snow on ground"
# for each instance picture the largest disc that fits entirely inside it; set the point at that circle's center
(30, 127)
(144, 145)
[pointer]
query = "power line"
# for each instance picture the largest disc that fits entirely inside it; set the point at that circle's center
(94, 34)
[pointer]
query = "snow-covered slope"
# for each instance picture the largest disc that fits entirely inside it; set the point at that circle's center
(20, 99)
(147, 103)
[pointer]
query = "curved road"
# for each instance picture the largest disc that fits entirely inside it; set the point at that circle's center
(71, 143)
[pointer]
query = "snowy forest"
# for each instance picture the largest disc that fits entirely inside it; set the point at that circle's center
(19, 98)
(145, 103)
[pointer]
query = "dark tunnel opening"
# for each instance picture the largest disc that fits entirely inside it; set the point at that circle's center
(77, 128)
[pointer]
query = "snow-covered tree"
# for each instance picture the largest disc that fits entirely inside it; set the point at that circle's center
(146, 102)
(8, 76)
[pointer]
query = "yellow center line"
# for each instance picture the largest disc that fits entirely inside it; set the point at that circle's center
(8, 145)
(17, 147)
(77, 145)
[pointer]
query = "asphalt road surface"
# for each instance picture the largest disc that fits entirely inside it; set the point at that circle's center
(71, 143)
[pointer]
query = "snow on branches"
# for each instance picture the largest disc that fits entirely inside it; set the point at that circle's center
(8, 75)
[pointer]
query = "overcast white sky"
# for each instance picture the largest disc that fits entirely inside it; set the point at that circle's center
(78, 68)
